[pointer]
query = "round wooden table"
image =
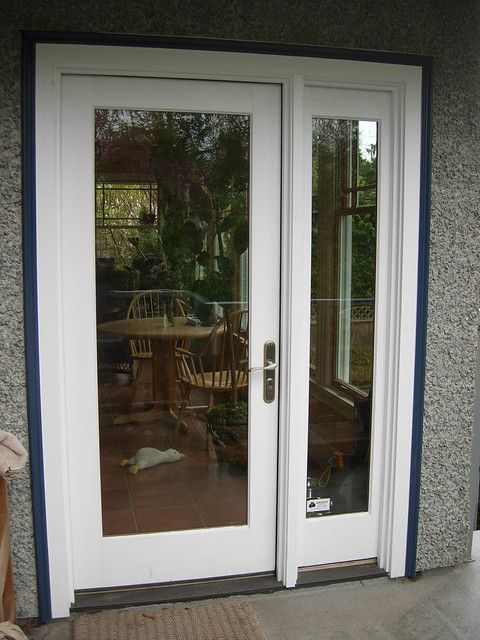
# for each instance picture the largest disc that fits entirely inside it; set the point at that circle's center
(163, 340)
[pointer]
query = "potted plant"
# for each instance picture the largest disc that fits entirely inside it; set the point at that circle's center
(228, 425)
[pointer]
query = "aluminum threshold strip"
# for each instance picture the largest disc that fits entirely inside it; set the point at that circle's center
(141, 595)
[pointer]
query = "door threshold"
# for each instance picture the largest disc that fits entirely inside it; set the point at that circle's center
(339, 572)
(142, 595)
(136, 595)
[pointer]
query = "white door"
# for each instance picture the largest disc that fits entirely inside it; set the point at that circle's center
(348, 138)
(170, 218)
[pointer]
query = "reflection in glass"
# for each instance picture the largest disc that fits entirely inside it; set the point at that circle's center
(172, 210)
(344, 208)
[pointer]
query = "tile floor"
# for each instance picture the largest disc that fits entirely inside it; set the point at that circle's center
(195, 492)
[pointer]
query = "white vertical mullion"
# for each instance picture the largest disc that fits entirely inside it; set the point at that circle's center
(295, 334)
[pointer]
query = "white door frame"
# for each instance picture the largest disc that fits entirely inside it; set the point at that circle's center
(403, 85)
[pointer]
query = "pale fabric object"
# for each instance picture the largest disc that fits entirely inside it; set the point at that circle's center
(13, 456)
(218, 622)
(9, 631)
(150, 457)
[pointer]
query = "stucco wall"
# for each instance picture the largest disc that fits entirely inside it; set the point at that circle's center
(445, 29)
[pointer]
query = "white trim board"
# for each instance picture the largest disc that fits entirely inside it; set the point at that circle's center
(403, 84)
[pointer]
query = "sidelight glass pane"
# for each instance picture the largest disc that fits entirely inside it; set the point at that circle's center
(344, 211)
(172, 230)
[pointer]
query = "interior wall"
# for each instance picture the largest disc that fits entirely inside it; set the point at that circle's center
(439, 27)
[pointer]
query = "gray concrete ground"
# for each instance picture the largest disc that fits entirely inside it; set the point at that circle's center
(443, 604)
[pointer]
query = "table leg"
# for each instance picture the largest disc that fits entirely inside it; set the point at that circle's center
(164, 374)
(164, 385)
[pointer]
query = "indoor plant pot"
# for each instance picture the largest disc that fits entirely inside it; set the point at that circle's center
(227, 424)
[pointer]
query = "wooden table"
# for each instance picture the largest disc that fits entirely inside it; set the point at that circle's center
(163, 341)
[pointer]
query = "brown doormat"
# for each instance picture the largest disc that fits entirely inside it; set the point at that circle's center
(218, 622)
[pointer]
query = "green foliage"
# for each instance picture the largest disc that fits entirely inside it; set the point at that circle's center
(200, 165)
(334, 142)
(228, 413)
(361, 366)
(363, 256)
(240, 236)
(214, 286)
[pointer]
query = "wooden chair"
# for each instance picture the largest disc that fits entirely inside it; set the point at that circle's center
(223, 358)
(149, 304)
(113, 353)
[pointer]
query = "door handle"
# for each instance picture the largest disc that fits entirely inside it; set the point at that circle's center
(269, 366)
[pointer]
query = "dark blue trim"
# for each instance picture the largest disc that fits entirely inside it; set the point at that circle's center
(31, 327)
(421, 332)
(215, 44)
(29, 41)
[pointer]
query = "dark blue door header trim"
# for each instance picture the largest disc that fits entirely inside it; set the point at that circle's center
(29, 41)
(216, 44)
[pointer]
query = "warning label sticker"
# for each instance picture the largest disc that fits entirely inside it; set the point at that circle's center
(316, 505)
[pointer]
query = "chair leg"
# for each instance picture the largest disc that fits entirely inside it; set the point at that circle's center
(184, 395)
(180, 423)
(207, 438)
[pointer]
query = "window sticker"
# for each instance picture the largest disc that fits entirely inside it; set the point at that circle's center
(318, 505)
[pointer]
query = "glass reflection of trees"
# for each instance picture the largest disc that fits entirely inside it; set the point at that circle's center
(344, 203)
(172, 197)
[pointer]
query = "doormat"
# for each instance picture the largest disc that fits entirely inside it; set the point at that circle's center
(217, 622)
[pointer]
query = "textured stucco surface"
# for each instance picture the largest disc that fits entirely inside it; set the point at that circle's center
(439, 27)
(453, 289)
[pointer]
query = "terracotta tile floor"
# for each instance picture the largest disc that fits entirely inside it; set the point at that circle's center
(195, 492)
(192, 493)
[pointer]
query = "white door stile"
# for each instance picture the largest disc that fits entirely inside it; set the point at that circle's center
(403, 83)
(355, 536)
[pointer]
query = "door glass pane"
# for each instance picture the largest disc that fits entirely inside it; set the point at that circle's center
(172, 229)
(344, 208)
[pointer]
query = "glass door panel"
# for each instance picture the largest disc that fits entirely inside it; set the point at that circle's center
(344, 186)
(170, 206)
(172, 235)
